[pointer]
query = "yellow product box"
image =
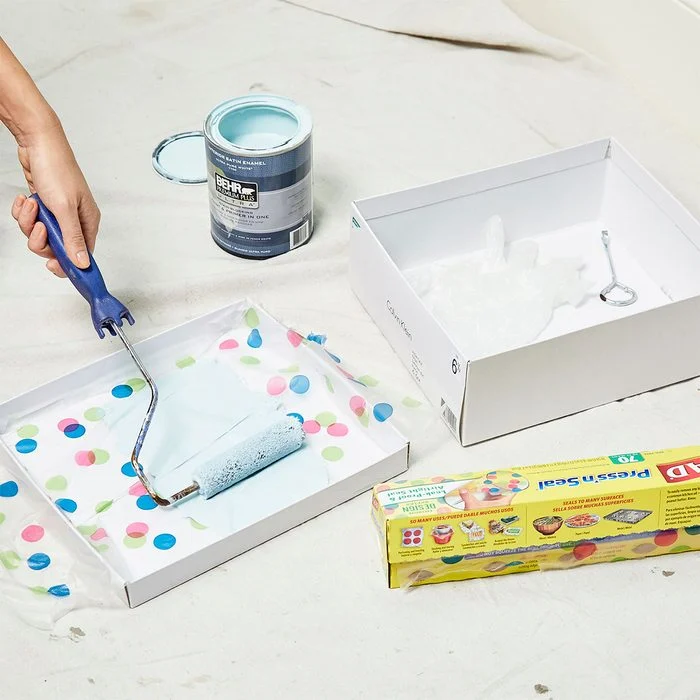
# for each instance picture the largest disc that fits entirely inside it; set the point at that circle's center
(545, 516)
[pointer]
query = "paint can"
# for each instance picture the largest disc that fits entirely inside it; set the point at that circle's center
(258, 169)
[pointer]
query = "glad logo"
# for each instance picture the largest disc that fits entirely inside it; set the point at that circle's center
(675, 472)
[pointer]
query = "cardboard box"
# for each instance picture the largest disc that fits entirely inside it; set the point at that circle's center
(546, 516)
(67, 440)
(587, 356)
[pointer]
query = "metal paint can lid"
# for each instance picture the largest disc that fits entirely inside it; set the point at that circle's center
(182, 158)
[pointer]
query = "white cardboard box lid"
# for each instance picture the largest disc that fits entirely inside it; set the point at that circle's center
(342, 486)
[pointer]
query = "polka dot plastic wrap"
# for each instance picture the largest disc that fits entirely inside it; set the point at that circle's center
(77, 448)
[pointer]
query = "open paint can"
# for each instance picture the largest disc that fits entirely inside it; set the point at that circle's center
(256, 155)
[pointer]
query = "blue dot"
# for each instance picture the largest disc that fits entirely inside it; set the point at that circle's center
(164, 541)
(74, 431)
(298, 416)
(315, 338)
(128, 469)
(495, 490)
(26, 446)
(382, 411)
(451, 560)
(333, 357)
(488, 481)
(255, 339)
(9, 489)
(517, 490)
(514, 563)
(60, 591)
(299, 384)
(145, 502)
(66, 504)
(122, 391)
(693, 530)
(38, 561)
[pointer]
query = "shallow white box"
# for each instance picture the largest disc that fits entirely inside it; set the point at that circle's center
(587, 356)
(101, 500)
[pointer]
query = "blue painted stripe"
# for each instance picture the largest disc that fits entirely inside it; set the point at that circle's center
(281, 182)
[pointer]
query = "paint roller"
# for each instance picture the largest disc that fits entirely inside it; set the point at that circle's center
(279, 439)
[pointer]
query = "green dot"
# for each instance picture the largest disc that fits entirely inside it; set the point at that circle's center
(364, 419)
(681, 548)
(94, 414)
(251, 318)
(100, 547)
(102, 506)
(2, 518)
(292, 369)
(101, 456)
(332, 454)
(138, 383)
(134, 542)
(185, 362)
(87, 530)
(28, 431)
(248, 360)
(326, 418)
(57, 483)
(39, 590)
(10, 560)
(196, 525)
(329, 384)
(367, 380)
(410, 402)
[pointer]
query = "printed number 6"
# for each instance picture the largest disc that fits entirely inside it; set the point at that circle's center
(455, 366)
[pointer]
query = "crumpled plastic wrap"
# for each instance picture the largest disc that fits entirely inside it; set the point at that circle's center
(500, 298)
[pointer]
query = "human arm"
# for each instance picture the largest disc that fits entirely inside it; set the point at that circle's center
(49, 166)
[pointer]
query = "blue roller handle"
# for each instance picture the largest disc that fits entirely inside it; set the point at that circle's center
(107, 311)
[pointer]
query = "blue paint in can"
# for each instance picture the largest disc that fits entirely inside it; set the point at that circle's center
(260, 175)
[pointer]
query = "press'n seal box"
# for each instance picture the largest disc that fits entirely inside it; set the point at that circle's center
(547, 516)
(587, 356)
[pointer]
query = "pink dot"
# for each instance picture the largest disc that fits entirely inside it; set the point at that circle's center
(32, 533)
(229, 344)
(294, 338)
(98, 535)
(407, 541)
(276, 386)
(65, 423)
(138, 489)
(137, 529)
(444, 509)
(382, 487)
(437, 479)
(346, 373)
(311, 427)
(85, 458)
(357, 405)
(338, 429)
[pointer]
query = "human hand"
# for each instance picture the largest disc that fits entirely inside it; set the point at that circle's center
(52, 171)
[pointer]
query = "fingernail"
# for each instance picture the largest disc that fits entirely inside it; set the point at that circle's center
(82, 257)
